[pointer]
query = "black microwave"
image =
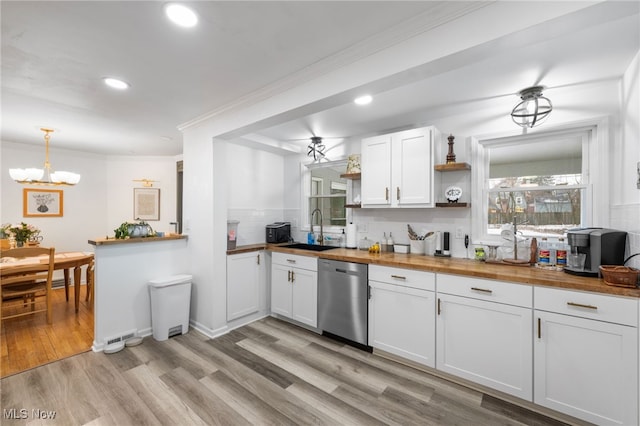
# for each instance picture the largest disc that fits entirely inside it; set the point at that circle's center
(279, 232)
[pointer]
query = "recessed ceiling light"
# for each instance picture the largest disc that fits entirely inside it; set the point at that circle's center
(181, 15)
(115, 83)
(363, 100)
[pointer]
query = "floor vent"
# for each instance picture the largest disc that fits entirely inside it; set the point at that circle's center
(121, 338)
(174, 331)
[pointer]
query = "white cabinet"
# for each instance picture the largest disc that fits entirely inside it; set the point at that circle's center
(586, 355)
(245, 284)
(484, 333)
(402, 313)
(294, 287)
(397, 169)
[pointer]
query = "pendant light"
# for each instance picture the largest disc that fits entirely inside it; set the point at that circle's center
(316, 148)
(44, 176)
(533, 109)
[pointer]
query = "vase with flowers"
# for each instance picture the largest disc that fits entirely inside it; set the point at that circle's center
(21, 233)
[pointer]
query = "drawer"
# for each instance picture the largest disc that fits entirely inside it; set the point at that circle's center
(620, 310)
(405, 277)
(295, 261)
(482, 289)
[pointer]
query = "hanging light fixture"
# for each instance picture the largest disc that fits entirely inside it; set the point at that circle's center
(533, 109)
(44, 176)
(316, 148)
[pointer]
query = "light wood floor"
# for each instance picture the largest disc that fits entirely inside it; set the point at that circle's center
(27, 342)
(268, 372)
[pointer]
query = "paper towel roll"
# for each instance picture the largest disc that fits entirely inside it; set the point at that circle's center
(351, 235)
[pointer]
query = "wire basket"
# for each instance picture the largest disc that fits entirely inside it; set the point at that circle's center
(620, 276)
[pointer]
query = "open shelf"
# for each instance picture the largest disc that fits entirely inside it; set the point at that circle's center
(451, 167)
(453, 204)
(353, 176)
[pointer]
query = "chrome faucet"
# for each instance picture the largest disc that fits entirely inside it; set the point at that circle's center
(321, 231)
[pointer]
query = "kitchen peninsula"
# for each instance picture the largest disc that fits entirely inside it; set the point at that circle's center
(122, 270)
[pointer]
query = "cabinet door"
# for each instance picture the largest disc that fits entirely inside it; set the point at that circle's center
(376, 171)
(305, 297)
(485, 342)
(243, 284)
(412, 168)
(586, 368)
(281, 290)
(402, 322)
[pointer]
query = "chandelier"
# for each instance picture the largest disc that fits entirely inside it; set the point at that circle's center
(533, 109)
(44, 176)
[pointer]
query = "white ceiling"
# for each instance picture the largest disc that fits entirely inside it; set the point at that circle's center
(54, 55)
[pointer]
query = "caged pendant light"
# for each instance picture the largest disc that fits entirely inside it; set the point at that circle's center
(533, 109)
(33, 176)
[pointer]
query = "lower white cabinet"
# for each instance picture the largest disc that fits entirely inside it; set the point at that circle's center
(402, 313)
(586, 367)
(482, 338)
(294, 287)
(245, 284)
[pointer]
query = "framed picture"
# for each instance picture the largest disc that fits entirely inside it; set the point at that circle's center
(146, 203)
(42, 202)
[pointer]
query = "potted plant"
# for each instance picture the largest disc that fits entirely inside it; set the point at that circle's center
(134, 230)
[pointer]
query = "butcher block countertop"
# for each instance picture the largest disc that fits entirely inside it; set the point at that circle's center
(466, 267)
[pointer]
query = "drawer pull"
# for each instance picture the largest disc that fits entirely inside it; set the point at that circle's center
(580, 305)
(439, 306)
(291, 260)
(258, 259)
(482, 290)
(398, 277)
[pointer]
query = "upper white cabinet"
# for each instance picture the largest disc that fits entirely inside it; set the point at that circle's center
(245, 282)
(586, 355)
(397, 169)
(294, 287)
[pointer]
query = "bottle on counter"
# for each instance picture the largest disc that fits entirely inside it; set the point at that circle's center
(343, 239)
(543, 252)
(390, 242)
(561, 253)
(534, 251)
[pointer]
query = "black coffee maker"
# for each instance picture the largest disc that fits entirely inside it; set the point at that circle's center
(601, 247)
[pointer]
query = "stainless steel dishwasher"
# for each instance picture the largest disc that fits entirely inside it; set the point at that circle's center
(343, 301)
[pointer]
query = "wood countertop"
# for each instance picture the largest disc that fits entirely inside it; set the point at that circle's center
(114, 241)
(470, 268)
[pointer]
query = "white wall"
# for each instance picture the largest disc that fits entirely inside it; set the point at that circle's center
(85, 205)
(98, 204)
(255, 191)
(121, 173)
(625, 208)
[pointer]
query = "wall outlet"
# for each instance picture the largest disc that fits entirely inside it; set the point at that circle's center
(459, 233)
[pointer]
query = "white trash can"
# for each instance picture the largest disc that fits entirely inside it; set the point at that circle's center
(170, 303)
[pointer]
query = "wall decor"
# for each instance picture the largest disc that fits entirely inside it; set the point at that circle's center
(146, 203)
(42, 202)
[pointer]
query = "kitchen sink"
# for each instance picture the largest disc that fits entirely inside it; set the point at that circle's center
(312, 247)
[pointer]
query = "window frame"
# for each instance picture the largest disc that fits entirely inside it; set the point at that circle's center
(595, 172)
(305, 194)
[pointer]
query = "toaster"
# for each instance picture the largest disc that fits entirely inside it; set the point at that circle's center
(279, 232)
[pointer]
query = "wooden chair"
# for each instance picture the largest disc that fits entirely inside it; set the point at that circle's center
(90, 278)
(24, 282)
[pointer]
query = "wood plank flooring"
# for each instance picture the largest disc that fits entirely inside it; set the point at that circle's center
(27, 342)
(268, 372)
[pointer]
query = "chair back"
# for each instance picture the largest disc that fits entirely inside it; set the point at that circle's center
(28, 265)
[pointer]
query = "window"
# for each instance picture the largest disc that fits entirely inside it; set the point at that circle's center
(326, 191)
(540, 180)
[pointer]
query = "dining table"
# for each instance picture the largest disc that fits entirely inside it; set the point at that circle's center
(65, 261)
